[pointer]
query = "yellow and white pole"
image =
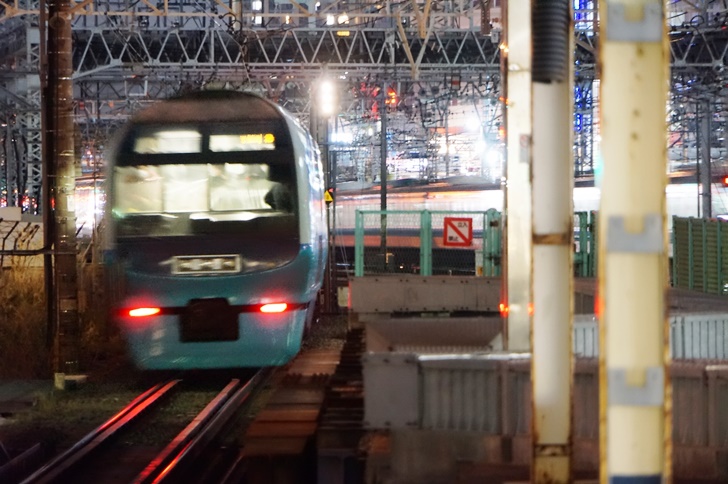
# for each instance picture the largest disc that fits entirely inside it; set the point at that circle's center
(634, 398)
(553, 225)
(516, 52)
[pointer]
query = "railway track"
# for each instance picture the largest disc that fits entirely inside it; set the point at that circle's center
(94, 459)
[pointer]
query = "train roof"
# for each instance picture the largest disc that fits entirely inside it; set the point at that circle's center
(210, 106)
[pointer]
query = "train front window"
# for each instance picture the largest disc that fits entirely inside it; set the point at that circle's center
(169, 141)
(188, 199)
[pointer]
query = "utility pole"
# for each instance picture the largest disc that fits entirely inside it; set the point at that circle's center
(322, 108)
(383, 177)
(703, 158)
(61, 180)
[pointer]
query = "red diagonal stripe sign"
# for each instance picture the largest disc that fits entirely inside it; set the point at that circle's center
(457, 232)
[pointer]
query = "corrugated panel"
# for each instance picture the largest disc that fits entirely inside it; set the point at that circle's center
(681, 252)
(698, 336)
(700, 254)
(701, 336)
(698, 264)
(720, 416)
(712, 283)
(517, 406)
(461, 394)
(492, 394)
(586, 336)
(689, 405)
(586, 400)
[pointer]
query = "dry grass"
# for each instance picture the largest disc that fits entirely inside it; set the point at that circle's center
(23, 349)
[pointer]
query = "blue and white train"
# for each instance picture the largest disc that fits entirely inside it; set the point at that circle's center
(218, 234)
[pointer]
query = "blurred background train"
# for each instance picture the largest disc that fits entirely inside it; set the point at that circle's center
(217, 232)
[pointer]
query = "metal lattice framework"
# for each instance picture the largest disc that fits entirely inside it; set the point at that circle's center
(129, 53)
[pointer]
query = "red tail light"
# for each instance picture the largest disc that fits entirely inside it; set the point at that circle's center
(143, 312)
(273, 308)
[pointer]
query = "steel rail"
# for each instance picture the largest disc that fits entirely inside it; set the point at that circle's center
(64, 462)
(191, 442)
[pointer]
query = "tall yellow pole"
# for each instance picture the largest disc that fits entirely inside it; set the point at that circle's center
(634, 396)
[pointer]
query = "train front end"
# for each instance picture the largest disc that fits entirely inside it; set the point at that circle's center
(218, 238)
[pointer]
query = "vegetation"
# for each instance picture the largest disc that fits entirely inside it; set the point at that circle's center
(24, 352)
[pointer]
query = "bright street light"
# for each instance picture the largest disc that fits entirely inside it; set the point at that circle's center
(326, 98)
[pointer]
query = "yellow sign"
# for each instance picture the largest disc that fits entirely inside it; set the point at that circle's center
(327, 197)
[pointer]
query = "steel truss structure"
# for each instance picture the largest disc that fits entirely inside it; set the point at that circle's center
(129, 53)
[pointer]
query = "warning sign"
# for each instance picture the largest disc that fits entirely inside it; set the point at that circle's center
(458, 232)
(328, 197)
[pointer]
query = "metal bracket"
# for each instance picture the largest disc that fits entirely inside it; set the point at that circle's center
(647, 29)
(524, 148)
(648, 241)
(651, 394)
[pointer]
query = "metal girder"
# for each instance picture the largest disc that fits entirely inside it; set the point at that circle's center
(21, 157)
(130, 53)
(300, 54)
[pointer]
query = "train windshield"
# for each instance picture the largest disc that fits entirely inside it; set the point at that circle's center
(192, 199)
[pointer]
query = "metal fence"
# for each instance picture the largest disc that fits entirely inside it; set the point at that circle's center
(692, 336)
(585, 244)
(427, 242)
(19, 233)
(700, 254)
(491, 394)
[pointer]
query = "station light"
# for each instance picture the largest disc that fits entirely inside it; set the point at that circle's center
(326, 96)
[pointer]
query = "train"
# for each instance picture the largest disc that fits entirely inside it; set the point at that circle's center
(217, 232)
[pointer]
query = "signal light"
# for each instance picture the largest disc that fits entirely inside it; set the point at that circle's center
(143, 312)
(725, 180)
(503, 309)
(273, 308)
(391, 100)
